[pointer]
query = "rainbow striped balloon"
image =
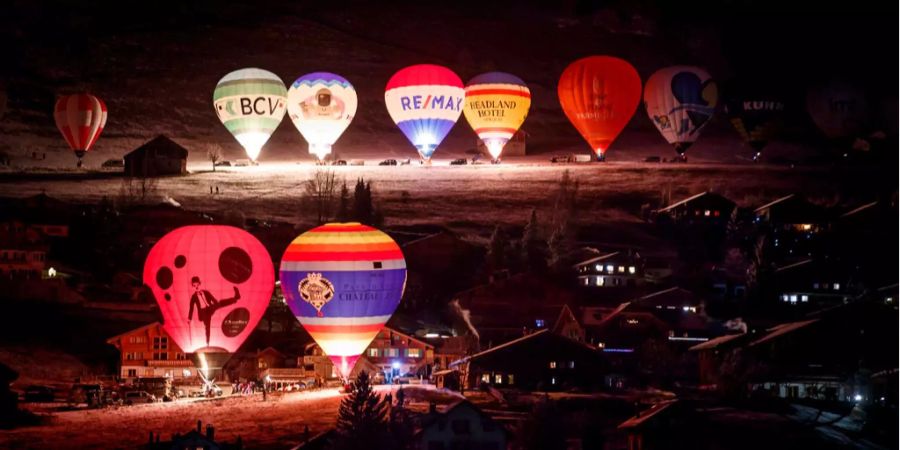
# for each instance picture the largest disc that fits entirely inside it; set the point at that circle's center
(343, 282)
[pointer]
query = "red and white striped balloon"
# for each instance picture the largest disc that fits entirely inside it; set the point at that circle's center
(80, 118)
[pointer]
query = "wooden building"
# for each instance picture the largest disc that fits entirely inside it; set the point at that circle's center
(149, 352)
(611, 270)
(705, 208)
(157, 157)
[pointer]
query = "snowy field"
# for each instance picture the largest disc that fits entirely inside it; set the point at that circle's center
(464, 197)
(278, 422)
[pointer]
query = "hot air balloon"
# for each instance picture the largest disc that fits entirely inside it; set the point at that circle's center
(321, 105)
(756, 112)
(250, 103)
(425, 101)
(213, 284)
(496, 105)
(680, 100)
(599, 95)
(343, 281)
(838, 109)
(80, 118)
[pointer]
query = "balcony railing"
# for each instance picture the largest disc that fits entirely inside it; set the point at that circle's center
(168, 363)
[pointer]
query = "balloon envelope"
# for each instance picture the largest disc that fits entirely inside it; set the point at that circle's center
(212, 283)
(496, 105)
(680, 100)
(321, 105)
(756, 111)
(80, 118)
(424, 101)
(250, 103)
(343, 281)
(838, 109)
(599, 95)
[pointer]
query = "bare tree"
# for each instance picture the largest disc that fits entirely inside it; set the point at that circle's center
(136, 190)
(320, 190)
(214, 154)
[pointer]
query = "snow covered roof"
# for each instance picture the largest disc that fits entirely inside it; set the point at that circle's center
(501, 346)
(715, 342)
(782, 329)
(646, 415)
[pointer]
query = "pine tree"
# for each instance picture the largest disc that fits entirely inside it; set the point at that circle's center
(559, 244)
(343, 213)
(533, 248)
(362, 202)
(362, 418)
(496, 256)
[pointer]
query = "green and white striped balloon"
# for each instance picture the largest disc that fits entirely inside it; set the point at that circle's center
(251, 103)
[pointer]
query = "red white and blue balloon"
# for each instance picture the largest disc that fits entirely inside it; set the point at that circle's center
(343, 282)
(425, 101)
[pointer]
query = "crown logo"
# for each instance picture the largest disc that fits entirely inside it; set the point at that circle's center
(316, 290)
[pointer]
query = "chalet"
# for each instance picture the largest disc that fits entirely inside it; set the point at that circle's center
(149, 352)
(615, 269)
(460, 425)
(705, 208)
(508, 308)
(397, 354)
(812, 284)
(539, 361)
(792, 213)
(159, 156)
(22, 261)
(713, 353)
(279, 370)
(830, 355)
(675, 315)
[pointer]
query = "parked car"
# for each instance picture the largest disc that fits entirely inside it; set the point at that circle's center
(92, 395)
(357, 162)
(459, 162)
(133, 397)
(388, 162)
(36, 393)
(223, 163)
(561, 159)
(653, 159)
(340, 162)
(405, 162)
(115, 163)
(245, 163)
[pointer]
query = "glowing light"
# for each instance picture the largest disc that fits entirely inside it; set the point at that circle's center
(395, 365)
(857, 398)
(431, 335)
(252, 143)
(51, 272)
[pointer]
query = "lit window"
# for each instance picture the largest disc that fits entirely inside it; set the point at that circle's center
(498, 378)
(587, 281)
(889, 300)
(392, 352)
(621, 269)
(598, 267)
(804, 298)
(686, 308)
(509, 379)
(552, 380)
(716, 213)
(485, 378)
(600, 281)
(552, 364)
(571, 364)
(837, 286)
(793, 299)
(784, 298)
(609, 268)
(601, 345)
(706, 213)
(373, 352)
(539, 323)
(631, 270)
(414, 352)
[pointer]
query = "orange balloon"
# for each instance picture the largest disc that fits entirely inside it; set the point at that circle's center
(599, 95)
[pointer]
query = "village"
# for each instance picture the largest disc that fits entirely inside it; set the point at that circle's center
(741, 309)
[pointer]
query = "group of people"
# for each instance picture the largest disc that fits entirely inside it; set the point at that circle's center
(243, 388)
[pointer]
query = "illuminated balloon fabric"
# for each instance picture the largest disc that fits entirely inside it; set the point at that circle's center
(838, 109)
(496, 105)
(599, 95)
(343, 281)
(321, 105)
(250, 103)
(425, 101)
(212, 283)
(756, 112)
(80, 118)
(680, 100)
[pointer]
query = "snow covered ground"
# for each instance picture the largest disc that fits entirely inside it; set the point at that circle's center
(455, 196)
(277, 423)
